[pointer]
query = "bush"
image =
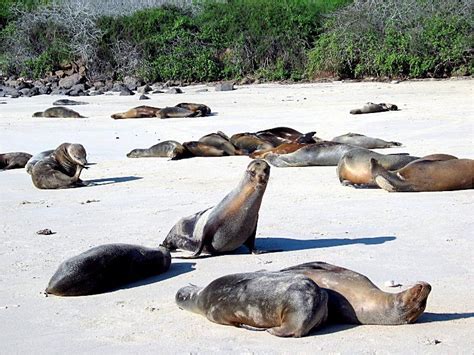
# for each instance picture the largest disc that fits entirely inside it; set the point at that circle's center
(429, 38)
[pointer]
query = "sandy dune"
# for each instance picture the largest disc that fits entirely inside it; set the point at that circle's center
(403, 237)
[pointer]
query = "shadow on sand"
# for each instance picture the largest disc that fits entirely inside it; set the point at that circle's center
(112, 180)
(174, 270)
(443, 317)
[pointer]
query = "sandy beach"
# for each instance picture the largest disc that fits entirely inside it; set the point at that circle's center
(404, 237)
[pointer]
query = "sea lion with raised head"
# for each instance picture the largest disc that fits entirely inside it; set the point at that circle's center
(360, 140)
(166, 149)
(58, 112)
(107, 267)
(354, 299)
(426, 175)
(222, 142)
(285, 305)
(138, 112)
(36, 158)
(316, 154)
(370, 107)
(228, 225)
(353, 168)
(14, 160)
(62, 169)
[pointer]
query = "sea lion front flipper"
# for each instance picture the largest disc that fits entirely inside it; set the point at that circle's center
(250, 243)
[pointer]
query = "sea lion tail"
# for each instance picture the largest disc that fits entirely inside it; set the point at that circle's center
(384, 178)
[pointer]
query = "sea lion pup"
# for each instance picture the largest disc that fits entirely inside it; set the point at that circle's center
(66, 102)
(360, 140)
(137, 112)
(220, 141)
(316, 154)
(285, 305)
(200, 109)
(58, 112)
(249, 142)
(370, 107)
(14, 160)
(426, 175)
(284, 148)
(354, 299)
(229, 224)
(353, 168)
(62, 169)
(166, 149)
(107, 267)
(36, 158)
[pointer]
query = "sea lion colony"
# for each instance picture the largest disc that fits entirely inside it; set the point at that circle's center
(290, 302)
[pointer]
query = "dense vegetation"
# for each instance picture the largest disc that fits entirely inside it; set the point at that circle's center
(205, 40)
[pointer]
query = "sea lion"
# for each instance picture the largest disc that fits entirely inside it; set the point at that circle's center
(199, 149)
(360, 140)
(228, 225)
(107, 267)
(426, 175)
(167, 149)
(176, 112)
(138, 112)
(370, 107)
(200, 109)
(249, 142)
(316, 154)
(353, 168)
(286, 305)
(36, 158)
(58, 112)
(284, 148)
(62, 169)
(354, 299)
(220, 141)
(280, 135)
(14, 160)
(67, 102)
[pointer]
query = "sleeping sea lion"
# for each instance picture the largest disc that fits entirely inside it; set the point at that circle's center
(36, 158)
(220, 141)
(354, 299)
(200, 109)
(137, 112)
(14, 160)
(249, 142)
(316, 154)
(280, 135)
(66, 102)
(167, 149)
(176, 112)
(370, 107)
(360, 140)
(107, 267)
(286, 305)
(228, 225)
(62, 169)
(199, 149)
(284, 148)
(58, 112)
(353, 168)
(426, 175)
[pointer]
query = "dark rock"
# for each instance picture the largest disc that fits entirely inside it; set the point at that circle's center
(71, 80)
(96, 93)
(33, 92)
(225, 86)
(59, 91)
(44, 90)
(143, 97)
(144, 89)
(131, 83)
(157, 92)
(174, 91)
(98, 85)
(24, 91)
(126, 91)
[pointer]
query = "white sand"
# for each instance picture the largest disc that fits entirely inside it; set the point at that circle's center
(403, 237)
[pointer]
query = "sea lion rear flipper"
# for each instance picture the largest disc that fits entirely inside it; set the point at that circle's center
(385, 179)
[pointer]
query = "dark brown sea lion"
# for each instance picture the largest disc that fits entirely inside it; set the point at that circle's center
(220, 141)
(284, 148)
(14, 160)
(66, 102)
(176, 112)
(426, 175)
(286, 305)
(353, 168)
(167, 149)
(249, 142)
(138, 112)
(62, 169)
(36, 158)
(280, 135)
(354, 299)
(107, 267)
(58, 112)
(370, 107)
(360, 140)
(199, 149)
(200, 109)
(316, 154)
(228, 225)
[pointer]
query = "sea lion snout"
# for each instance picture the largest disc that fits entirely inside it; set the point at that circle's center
(78, 154)
(259, 171)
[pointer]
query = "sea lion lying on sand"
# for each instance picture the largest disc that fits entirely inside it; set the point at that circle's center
(36, 158)
(167, 149)
(360, 140)
(14, 160)
(178, 111)
(58, 112)
(370, 107)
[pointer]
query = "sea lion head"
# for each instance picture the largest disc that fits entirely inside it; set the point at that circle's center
(258, 171)
(186, 298)
(77, 153)
(135, 153)
(38, 114)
